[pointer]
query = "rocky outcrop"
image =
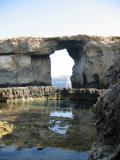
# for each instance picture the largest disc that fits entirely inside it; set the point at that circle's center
(107, 111)
(25, 61)
(112, 75)
(35, 92)
(27, 93)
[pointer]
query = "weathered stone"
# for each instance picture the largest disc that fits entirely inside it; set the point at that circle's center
(25, 60)
(20, 70)
(31, 93)
(107, 110)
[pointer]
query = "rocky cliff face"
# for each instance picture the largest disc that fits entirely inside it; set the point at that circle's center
(25, 61)
(107, 111)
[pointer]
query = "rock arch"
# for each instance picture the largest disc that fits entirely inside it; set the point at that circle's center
(25, 61)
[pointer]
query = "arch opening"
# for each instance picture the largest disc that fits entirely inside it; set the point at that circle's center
(61, 69)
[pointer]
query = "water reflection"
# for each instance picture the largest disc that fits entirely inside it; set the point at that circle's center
(63, 124)
(62, 114)
(47, 153)
(59, 126)
(58, 129)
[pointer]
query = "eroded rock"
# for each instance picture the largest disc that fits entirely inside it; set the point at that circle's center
(107, 110)
(35, 92)
(25, 61)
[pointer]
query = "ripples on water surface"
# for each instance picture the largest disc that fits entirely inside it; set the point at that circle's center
(46, 130)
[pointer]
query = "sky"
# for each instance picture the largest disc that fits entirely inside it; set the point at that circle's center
(46, 18)
(60, 62)
(59, 17)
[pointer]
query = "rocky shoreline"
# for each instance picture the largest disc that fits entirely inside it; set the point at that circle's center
(43, 92)
(25, 61)
(107, 111)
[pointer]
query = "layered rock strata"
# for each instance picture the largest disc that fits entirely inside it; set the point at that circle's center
(25, 61)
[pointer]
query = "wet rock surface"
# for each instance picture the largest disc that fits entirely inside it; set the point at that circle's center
(107, 110)
(31, 93)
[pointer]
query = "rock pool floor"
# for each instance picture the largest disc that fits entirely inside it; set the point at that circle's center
(62, 127)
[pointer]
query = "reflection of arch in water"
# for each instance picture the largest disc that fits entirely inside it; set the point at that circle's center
(31, 127)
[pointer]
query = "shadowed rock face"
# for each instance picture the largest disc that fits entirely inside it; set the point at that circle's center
(107, 111)
(25, 61)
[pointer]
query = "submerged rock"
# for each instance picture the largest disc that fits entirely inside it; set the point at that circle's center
(66, 124)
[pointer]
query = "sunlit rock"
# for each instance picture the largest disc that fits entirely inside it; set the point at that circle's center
(25, 60)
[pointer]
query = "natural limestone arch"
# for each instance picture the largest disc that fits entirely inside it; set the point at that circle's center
(25, 61)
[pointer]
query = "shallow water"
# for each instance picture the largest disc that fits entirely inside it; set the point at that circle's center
(47, 153)
(46, 130)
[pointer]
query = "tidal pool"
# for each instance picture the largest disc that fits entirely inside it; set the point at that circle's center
(43, 130)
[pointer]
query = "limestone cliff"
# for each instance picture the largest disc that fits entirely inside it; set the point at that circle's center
(25, 60)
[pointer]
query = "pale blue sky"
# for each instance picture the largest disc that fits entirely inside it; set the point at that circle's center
(59, 17)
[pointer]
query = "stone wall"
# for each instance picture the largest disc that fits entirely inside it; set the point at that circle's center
(25, 61)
